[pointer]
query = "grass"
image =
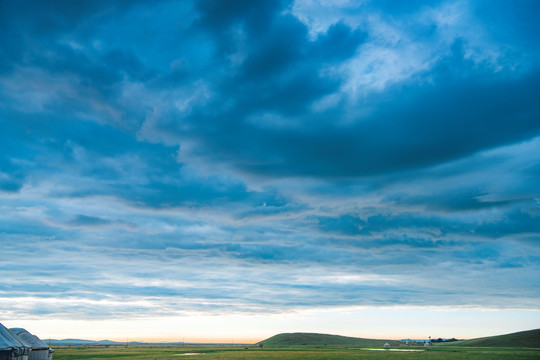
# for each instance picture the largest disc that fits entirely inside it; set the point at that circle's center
(312, 339)
(238, 353)
(522, 339)
(524, 345)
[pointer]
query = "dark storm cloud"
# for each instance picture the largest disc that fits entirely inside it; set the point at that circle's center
(35, 24)
(425, 126)
(524, 28)
(455, 109)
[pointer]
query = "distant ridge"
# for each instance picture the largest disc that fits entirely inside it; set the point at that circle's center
(529, 338)
(81, 342)
(314, 339)
(75, 342)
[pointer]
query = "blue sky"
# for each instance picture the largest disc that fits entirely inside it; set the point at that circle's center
(280, 162)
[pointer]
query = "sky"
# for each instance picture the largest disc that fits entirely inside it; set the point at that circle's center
(229, 170)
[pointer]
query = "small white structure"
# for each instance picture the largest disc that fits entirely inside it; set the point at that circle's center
(426, 344)
(387, 346)
(11, 348)
(38, 349)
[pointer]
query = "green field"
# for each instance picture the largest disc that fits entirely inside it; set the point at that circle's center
(215, 353)
(523, 339)
(516, 346)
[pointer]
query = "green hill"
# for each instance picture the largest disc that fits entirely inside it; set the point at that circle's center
(529, 339)
(312, 339)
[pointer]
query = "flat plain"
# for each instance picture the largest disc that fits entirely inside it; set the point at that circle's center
(310, 353)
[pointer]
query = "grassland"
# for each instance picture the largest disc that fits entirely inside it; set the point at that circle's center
(329, 353)
(524, 345)
(524, 339)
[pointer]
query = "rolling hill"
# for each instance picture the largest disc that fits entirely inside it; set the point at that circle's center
(530, 338)
(313, 339)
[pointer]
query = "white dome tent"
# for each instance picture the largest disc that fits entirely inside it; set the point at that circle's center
(11, 348)
(38, 349)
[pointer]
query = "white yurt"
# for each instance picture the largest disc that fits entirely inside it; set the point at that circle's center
(38, 349)
(11, 348)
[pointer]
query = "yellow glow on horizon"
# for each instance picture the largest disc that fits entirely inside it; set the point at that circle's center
(220, 340)
(364, 322)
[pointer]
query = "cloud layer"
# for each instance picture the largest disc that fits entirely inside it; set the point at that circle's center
(267, 156)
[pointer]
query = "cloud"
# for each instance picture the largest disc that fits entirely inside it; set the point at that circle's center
(428, 126)
(267, 156)
(83, 220)
(453, 108)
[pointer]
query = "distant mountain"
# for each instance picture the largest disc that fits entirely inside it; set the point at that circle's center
(530, 338)
(313, 339)
(80, 342)
(76, 342)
